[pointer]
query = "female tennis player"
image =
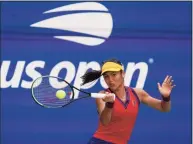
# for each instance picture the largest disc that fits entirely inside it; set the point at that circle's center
(117, 116)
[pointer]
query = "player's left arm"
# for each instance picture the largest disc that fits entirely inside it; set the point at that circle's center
(165, 90)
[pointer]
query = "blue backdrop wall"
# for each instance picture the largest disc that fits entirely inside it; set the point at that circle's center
(152, 39)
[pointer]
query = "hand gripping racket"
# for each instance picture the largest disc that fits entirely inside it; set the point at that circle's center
(54, 92)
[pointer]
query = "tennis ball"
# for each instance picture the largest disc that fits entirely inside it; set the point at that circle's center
(60, 94)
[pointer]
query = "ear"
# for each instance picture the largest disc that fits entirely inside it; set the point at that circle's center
(123, 74)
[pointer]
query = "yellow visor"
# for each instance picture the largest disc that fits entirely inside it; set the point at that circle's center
(111, 66)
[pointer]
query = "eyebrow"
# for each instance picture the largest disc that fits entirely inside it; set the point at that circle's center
(110, 72)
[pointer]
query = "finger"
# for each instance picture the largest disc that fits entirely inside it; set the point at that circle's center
(171, 82)
(109, 95)
(173, 86)
(106, 92)
(169, 79)
(159, 86)
(165, 80)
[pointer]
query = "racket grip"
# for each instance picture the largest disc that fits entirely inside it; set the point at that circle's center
(99, 95)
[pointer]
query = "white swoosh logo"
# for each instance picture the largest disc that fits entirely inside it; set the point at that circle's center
(98, 25)
(93, 6)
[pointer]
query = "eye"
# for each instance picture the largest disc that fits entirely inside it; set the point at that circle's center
(114, 74)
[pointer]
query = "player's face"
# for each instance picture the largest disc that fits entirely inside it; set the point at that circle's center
(114, 79)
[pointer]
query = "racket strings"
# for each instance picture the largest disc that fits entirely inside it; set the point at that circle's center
(45, 94)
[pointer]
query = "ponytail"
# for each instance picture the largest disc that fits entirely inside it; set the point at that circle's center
(90, 76)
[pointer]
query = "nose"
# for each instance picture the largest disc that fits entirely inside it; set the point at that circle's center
(110, 79)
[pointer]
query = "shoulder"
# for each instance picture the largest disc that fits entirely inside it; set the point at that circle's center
(138, 90)
(140, 93)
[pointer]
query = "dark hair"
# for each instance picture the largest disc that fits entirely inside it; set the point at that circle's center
(90, 76)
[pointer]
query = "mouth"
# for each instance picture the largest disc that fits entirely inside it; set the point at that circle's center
(111, 85)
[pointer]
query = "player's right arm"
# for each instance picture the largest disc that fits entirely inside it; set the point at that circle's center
(104, 109)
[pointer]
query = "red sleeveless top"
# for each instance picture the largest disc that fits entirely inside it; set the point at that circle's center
(119, 130)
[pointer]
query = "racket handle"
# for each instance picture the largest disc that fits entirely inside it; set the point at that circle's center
(99, 95)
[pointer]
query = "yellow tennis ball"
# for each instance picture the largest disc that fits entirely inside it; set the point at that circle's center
(60, 94)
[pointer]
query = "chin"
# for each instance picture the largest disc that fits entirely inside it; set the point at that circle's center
(113, 88)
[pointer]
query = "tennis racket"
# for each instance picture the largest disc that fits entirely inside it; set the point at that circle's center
(45, 92)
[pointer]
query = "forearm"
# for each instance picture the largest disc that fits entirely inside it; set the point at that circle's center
(106, 114)
(163, 105)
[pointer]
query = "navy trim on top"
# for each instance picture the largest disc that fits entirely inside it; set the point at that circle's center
(136, 95)
(95, 140)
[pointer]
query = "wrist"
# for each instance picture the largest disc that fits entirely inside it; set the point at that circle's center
(109, 104)
(166, 99)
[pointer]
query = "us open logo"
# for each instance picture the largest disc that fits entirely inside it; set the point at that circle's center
(90, 23)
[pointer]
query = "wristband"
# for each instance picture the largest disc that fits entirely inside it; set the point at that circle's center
(166, 99)
(109, 104)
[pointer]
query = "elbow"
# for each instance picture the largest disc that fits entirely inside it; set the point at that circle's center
(104, 122)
